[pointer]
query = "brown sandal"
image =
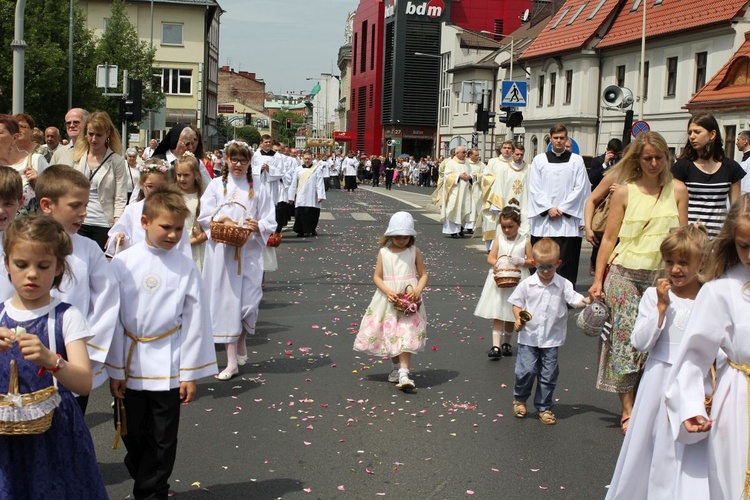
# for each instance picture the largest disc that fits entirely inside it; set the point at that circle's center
(519, 409)
(547, 417)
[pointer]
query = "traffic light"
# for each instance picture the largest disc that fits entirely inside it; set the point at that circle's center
(512, 118)
(483, 119)
(131, 108)
(288, 123)
(248, 119)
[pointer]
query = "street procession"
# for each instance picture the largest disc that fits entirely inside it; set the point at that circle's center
(494, 249)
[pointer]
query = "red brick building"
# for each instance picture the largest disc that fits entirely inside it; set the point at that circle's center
(242, 87)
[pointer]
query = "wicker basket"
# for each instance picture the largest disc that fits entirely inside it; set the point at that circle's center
(235, 236)
(26, 413)
(405, 305)
(274, 240)
(506, 276)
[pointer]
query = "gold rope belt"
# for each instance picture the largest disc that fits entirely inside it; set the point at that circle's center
(121, 428)
(746, 370)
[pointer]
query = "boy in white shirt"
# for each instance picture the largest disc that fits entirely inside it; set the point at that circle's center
(544, 296)
(162, 345)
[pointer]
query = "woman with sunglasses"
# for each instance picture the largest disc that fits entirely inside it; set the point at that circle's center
(642, 211)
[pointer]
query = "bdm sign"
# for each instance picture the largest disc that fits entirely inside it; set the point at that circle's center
(431, 9)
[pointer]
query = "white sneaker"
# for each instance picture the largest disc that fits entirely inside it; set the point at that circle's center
(393, 377)
(404, 382)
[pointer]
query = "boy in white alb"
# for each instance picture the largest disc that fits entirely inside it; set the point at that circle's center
(162, 344)
(63, 193)
(544, 295)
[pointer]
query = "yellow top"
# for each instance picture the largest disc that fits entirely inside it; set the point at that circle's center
(639, 247)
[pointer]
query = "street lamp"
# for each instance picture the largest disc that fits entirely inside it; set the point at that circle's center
(512, 40)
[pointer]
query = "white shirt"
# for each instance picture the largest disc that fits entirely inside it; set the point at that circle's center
(745, 182)
(547, 305)
(350, 166)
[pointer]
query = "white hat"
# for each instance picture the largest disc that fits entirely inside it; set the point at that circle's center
(401, 224)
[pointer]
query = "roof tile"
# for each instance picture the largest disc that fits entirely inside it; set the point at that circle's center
(576, 35)
(714, 94)
(670, 17)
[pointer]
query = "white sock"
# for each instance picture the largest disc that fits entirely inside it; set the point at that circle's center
(402, 372)
(496, 336)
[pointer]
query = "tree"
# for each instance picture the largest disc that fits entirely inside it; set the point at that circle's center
(46, 60)
(120, 45)
(250, 135)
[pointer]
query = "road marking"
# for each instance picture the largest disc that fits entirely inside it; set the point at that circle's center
(362, 216)
(435, 217)
(326, 216)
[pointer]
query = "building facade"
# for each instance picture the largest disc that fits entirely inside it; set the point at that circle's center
(241, 86)
(186, 38)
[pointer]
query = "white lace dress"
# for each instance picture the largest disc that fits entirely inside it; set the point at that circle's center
(493, 303)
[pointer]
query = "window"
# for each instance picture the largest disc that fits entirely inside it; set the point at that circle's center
(552, 88)
(635, 6)
(620, 75)
(354, 53)
(457, 100)
(445, 90)
(171, 34)
(645, 80)
(369, 104)
(563, 14)
(372, 49)
(596, 10)
(730, 135)
(578, 13)
(671, 76)
(701, 59)
(363, 49)
(177, 81)
(540, 101)
(568, 86)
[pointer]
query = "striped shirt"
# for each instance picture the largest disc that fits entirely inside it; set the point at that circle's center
(708, 194)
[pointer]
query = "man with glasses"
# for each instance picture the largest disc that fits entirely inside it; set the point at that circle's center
(75, 122)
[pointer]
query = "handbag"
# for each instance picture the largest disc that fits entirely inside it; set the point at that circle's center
(599, 220)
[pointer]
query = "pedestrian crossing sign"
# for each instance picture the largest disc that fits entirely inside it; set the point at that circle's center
(514, 94)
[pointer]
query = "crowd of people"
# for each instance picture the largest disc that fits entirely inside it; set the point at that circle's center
(93, 236)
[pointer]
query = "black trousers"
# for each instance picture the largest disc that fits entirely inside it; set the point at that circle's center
(335, 182)
(376, 179)
(388, 179)
(570, 254)
(153, 419)
(326, 183)
(96, 233)
(282, 215)
(306, 220)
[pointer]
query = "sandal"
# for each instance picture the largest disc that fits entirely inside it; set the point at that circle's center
(547, 417)
(519, 409)
(624, 421)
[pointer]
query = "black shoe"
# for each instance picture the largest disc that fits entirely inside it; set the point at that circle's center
(461, 233)
(455, 236)
(469, 231)
(494, 353)
(507, 350)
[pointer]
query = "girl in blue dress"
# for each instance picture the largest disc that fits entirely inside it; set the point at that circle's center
(47, 339)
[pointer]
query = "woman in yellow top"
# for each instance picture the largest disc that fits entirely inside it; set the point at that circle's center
(642, 211)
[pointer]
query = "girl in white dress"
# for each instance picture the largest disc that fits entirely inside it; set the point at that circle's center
(650, 459)
(493, 303)
(128, 229)
(384, 331)
(719, 327)
(188, 178)
(232, 275)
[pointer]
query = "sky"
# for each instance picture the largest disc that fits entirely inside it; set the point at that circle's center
(283, 41)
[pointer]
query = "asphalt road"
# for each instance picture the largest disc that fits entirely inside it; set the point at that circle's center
(311, 418)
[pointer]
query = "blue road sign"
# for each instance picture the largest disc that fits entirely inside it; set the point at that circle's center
(514, 94)
(640, 126)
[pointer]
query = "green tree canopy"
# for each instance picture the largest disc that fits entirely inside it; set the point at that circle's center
(287, 135)
(46, 60)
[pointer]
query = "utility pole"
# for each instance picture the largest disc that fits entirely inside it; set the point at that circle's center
(19, 52)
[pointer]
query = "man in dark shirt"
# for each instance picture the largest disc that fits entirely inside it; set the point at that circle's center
(601, 163)
(375, 164)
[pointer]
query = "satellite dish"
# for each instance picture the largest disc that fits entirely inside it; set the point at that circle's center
(525, 16)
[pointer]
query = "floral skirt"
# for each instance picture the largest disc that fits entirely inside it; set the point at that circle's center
(387, 332)
(619, 363)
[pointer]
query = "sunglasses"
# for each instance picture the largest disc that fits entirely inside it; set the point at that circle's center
(546, 267)
(72, 122)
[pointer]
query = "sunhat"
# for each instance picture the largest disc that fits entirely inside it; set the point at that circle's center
(401, 224)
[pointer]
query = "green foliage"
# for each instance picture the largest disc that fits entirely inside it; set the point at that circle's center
(248, 134)
(46, 60)
(120, 45)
